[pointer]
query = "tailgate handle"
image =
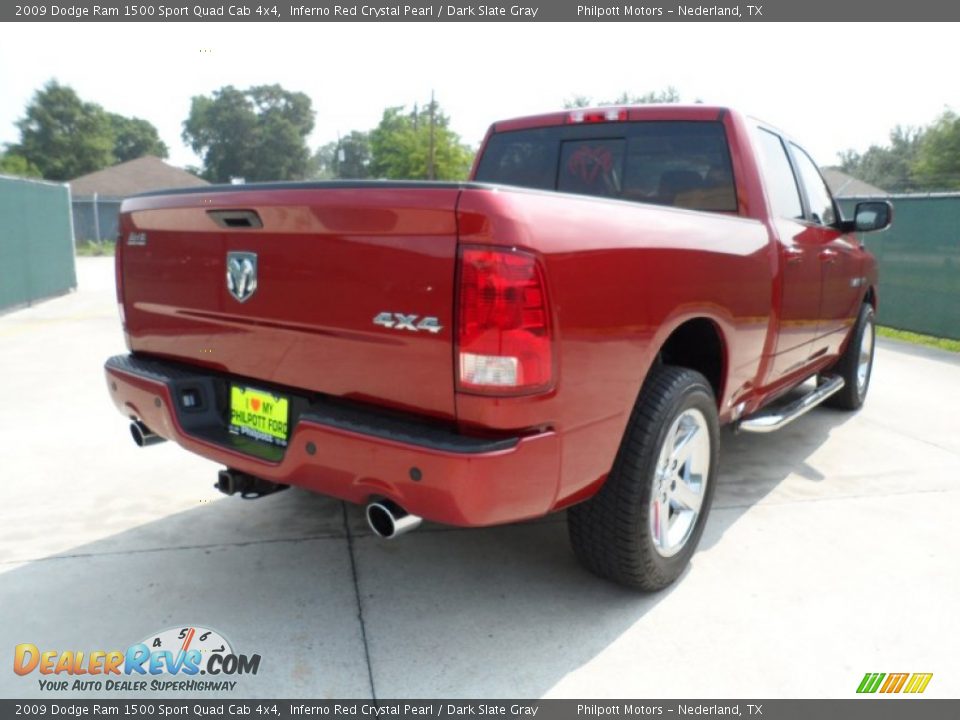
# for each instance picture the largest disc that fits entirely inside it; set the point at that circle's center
(232, 219)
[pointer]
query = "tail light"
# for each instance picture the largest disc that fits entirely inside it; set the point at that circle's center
(504, 333)
(118, 276)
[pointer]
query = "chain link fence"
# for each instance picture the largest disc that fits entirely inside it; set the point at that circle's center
(95, 217)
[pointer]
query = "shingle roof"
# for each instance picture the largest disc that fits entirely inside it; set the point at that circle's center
(843, 185)
(134, 176)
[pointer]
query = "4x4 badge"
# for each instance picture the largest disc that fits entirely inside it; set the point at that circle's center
(242, 274)
(401, 321)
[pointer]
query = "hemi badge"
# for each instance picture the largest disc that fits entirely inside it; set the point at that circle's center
(857, 281)
(137, 238)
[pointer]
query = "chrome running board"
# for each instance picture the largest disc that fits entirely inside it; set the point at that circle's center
(773, 418)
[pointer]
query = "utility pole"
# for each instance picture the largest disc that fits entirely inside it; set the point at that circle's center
(96, 219)
(431, 174)
(338, 158)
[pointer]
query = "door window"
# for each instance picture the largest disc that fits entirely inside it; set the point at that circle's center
(781, 184)
(818, 194)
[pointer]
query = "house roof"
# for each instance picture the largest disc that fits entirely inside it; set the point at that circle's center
(144, 174)
(843, 185)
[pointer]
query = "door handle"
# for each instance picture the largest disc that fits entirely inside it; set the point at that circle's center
(828, 255)
(793, 255)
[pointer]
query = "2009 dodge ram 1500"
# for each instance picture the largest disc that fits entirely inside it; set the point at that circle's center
(568, 329)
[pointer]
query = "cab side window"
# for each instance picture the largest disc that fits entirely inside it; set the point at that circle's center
(821, 202)
(781, 184)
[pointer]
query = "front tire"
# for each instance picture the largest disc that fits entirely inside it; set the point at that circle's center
(642, 527)
(855, 366)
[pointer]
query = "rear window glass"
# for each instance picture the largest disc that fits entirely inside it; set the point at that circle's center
(592, 167)
(678, 163)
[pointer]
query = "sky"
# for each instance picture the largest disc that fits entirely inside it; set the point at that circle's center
(831, 86)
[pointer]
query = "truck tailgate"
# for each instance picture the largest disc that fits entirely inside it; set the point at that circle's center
(327, 260)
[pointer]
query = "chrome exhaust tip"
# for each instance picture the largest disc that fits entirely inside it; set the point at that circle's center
(388, 520)
(144, 436)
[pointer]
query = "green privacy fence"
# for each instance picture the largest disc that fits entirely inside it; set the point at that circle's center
(36, 241)
(919, 259)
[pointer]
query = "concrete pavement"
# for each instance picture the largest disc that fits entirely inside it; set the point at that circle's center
(831, 551)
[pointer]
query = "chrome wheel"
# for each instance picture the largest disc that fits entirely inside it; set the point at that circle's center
(680, 482)
(865, 357)
(641, 528)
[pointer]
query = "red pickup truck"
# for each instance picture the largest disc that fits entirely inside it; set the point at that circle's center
(566, 330)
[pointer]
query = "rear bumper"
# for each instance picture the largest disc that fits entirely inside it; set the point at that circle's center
(350, 452)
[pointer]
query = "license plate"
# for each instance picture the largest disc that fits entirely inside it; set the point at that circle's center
(259, 415)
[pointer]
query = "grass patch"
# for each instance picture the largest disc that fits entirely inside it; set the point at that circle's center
(89, 248)
(919, 339)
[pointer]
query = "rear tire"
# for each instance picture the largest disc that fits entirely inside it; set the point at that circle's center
(855, 366)
(642, 527)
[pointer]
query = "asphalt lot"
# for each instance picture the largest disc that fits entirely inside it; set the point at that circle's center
(832, 550)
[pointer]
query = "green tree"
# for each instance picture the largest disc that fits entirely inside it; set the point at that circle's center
(18, 165)
(937, 164)
(890, 167)
(667, 95)
(257, 134)
(134, 138)
(345, 159)
(579, 101)
(62, 136)
(418, 145)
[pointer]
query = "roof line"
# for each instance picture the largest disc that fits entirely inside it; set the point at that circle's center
(37, 181)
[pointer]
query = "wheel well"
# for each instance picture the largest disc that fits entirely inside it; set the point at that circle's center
(871, 298)
(697, 345)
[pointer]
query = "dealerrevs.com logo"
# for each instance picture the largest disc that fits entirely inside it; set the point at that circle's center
(168, 661)
(894, 682)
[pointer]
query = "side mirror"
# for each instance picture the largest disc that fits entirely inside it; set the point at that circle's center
(871, 216)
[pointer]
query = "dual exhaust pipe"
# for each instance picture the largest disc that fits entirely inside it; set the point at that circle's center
(144, 436)
(386, 519)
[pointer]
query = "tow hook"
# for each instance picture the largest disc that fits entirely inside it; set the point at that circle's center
(230, 482)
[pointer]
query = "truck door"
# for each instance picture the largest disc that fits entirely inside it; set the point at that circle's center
(799, 245)
(840, 257)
